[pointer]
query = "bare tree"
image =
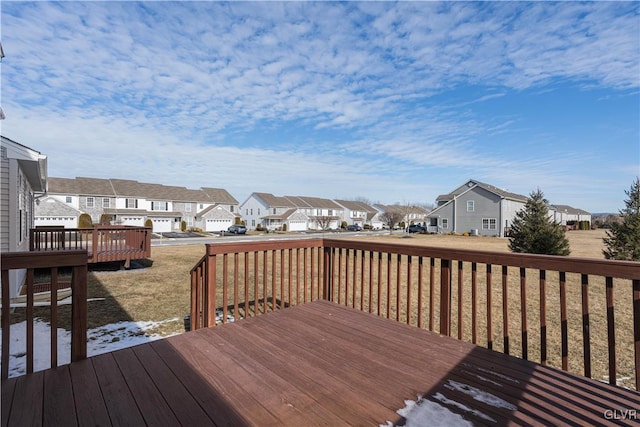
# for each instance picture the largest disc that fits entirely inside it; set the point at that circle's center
(324, 221)
(391, 217)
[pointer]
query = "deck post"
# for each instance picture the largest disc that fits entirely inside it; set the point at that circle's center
(79, 313)
(445, 297)
(327, 279)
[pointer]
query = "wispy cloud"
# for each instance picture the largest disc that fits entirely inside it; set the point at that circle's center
(376, 94)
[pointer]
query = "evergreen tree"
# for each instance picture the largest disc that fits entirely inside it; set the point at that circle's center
(623, 238)
(533, 231)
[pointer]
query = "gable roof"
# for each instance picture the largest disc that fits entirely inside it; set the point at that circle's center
(49, 206)
(472, 183)
(219, 195)
(272, 201)
(354, 205)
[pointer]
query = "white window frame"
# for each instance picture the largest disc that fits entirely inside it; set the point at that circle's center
(90, 202)
(159, 205)
(131, 203)
(106, 202)
(187, 208)
(471, 206)
(445, 223)
(489, 224)
(68, 199)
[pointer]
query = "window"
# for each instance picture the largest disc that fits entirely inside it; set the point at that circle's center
(445, 223)
(489, 223)
(106, 202)
(246, 211)
(231, 208)
(274, 211)
(258, 211)
(251, 211)
(187, 208)
(90, 202)
(131, 203)
(471, 206)
(159, 206)
(68, 199)
(433, 222)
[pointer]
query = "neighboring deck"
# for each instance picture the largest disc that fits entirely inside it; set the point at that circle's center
(311, 364)
(105, 243)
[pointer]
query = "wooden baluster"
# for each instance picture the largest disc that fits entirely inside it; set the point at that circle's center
(523, 313)
(564, 325)
(505, 308)
(586, 332)
(611, 331)
(474, 303)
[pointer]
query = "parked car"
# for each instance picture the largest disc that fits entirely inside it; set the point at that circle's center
(415, 228)
(354, 227)
(237, 229)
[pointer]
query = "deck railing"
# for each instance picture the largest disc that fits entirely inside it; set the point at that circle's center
(50, 265)
(104, 243)
(577, 314)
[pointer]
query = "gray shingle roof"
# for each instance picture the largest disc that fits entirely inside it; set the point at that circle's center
(82, 186)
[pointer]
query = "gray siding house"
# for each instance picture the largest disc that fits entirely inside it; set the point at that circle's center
(475, 208)
(23, 180)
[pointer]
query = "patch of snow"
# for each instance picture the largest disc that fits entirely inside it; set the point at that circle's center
(427, 413)
(444, 399)
(480, 395)
(504, 377)
(100, 340)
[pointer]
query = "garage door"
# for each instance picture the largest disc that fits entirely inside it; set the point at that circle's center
(217, 224)
(137, 221)
(66, 222)
(161, 225)
(297, 225)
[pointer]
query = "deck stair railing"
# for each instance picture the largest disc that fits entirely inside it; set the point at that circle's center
(55, 267)
(577, 314)
(104, 243)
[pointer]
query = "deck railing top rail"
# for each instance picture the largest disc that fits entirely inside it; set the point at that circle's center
(596, 266)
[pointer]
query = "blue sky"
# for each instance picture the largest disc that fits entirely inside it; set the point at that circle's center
(392, 102)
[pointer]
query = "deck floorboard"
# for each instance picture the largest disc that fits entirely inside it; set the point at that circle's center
(318, 363)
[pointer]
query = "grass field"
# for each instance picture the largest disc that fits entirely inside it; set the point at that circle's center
(162, 292)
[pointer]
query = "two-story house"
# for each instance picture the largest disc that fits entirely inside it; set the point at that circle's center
(293, 213)
(359, 213)
(128, 202)
(23, 180)
(476, 208)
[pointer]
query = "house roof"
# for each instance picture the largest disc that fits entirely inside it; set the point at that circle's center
(219, 195)
(273, 201)
(488, 187)
(568, 209)
(313, 202)
(130, 188)
(32, 162)
(284, 215)
(354, 205)
(51, 207)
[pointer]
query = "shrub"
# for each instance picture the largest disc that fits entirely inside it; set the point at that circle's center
(623, 239)
(183, 226)
(532, 231)
(148, 223)
(84, 221)
(343, 225)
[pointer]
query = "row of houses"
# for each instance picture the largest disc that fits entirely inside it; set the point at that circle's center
(473, 207)
(170, 209)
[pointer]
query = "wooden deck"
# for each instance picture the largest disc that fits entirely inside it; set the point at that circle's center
(318, 363)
